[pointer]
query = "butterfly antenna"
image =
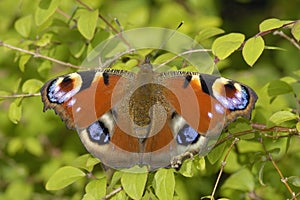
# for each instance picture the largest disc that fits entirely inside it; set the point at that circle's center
(119, 25)
(168, 38)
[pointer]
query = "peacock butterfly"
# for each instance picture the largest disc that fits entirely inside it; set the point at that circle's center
(146, 118)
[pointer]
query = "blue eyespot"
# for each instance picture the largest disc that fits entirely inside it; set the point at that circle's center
(98, 133)
(187, 135)
(239, 101)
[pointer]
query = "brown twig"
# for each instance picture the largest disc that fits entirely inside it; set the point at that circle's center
(37, 55)
(222, 168)
(262, 128)
(107, 23)
(291, 40)
(282, 178)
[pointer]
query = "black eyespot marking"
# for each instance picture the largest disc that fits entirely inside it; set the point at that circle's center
(187, 81)
(105, 78)
(230, 85)
(207, 82)
(87, 78)
(173, 115)
(98, 133)
(187, 135)
(66, 80)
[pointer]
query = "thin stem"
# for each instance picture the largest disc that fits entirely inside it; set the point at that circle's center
(107, 23)
(262, 128)
(291, 40)
(19, 96)
(222, 168)
(283, 179)
(113, 193)
(37, 55)
(182, 54)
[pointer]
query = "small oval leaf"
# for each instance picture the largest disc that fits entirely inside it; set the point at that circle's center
(63, 177)
(164, 184)
(96, 189)
(253, 49)
(298, 126)
(87, 23)
(208, 33)
(282, 116)
(23, 26)
(187, 168)
(295, 180)
(296, 30)
(134, 184)
(278, 87)
(23, 60)
(270, 24)
(225, 45)
(45, 10)
(15, 112)
(31, 86)
(242, 180)
(34, 146)
(86, 162)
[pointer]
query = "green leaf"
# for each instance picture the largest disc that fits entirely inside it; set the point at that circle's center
(14, 145)
(261, 174)
(246, 146)
(216, 153)
(45, 10)
(242, 180)
(208, 33)
(87, 23)
(15, 112)
(253, 49)
(225, 45)
(134, 184)
(282, 116)
(163, 58)
(34, 146)
(270, 24)
(120, 196)
(239, 125)
(23, 60)
(19, 187)
(131, 63)
(298, 126)
(44, 68)
(86, 162)
(187, 168)
(200, 163)
(95, 189)
(278, 87)
(295, 180)
(23, 26)
(164, 184)
(32, 86)
(45, 40)
(296, 30)
(78, 48)
(63, 177)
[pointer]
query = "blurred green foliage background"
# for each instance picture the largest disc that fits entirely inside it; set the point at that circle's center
(35, 145)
